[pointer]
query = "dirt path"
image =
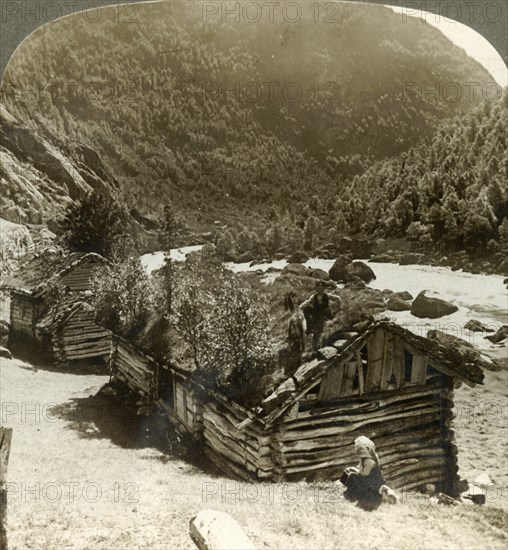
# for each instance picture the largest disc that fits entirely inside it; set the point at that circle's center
(77, 479)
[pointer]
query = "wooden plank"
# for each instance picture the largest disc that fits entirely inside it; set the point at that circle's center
(361, 381)
(398, 361)
(331, 383)
(5, 449)
(419, 369)
(387, 368)
(375, 352)
(348, 378)
(354, 425)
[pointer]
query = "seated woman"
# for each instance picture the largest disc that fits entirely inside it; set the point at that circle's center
(364, 482)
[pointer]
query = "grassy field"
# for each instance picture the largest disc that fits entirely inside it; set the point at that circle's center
(82, 476)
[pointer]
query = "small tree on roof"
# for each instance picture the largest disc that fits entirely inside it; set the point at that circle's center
(226, 328)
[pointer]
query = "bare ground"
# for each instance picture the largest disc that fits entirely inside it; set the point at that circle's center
(84, 475)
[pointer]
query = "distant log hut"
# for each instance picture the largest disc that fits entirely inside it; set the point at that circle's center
(30, 286)
(386, 383)
(70, 333)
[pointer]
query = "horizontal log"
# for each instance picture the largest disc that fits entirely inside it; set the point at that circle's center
(386, 451)
(332, 441)
(210, 423)
(241, 446)
(254, 430)
(352, 426)
(225, 452)
(372, 403)
(131, 384)
(339, 418)
(227, 466)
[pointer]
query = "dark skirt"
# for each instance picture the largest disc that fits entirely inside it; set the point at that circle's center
(364, 489)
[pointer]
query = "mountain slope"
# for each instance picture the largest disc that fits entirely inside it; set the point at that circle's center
(166, 102)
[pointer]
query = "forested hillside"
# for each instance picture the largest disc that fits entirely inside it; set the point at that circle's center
(151, 97)
(451, 189)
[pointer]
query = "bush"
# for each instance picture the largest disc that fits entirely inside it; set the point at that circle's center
(226, 330)
(124, 296)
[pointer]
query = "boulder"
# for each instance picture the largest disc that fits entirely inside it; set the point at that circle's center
(404, 295)
(431, 307)
(339, 272)
(245, 257)
(410, 258)
(296, 269)
(500, 335)
(4, 352)
(455, 267)
(362, 270)
(397, 304)
(319, 274)
(298, 257)
(343, 271)
(476, 326)
(383, 258)
(356, 284)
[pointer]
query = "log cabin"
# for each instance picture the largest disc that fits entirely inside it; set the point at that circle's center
(69, 332)
(387, 383)
(29, 287)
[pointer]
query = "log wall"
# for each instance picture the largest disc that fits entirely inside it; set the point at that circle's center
(410, 429)
(243, 451)
(79, 338)
(133, 368)
(78, 278)
(25, 311)
(187, 407)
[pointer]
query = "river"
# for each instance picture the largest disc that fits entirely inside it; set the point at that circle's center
(480, 297)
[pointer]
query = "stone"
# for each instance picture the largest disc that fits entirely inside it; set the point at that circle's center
(339, 272)
(298, 257)
(404, 295)
(327, 352)
(343, 271)
(397, 304)
(4, 352)
(296, 269)
(306, 370)
(410, 258)
(500, 335)
(362, 270)
(383, 259)
(212, 530)
(319, 274)
(476, 326)
(431, 307)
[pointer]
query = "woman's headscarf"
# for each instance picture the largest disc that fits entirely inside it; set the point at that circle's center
(366, 448)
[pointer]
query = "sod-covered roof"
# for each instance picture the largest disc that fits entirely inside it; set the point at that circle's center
(35, 275)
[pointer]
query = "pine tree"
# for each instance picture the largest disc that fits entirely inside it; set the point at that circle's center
(94, 224)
